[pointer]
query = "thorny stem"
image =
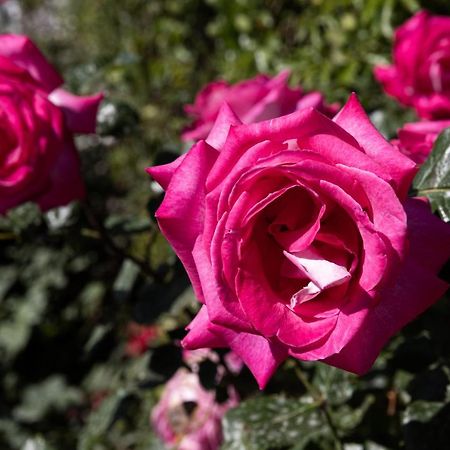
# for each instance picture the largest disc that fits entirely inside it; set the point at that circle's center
(109, 242)
(317, 395)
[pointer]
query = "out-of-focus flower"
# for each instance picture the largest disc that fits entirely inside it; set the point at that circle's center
(187, 417)
(420, 73)
(233, 362)
(38, 158)
(254, 100)
(416, 139)
(193, 358)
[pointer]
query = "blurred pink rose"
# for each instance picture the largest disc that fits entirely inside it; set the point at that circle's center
(299, 239)
(193, 359)
(416, 139)
(187, 416)
(38, 158)
(254, 100)
(420, 74)
(234, 363)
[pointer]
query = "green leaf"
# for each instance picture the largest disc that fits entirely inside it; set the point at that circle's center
(25, 216)
(15, 330)
(53, 394)
(421, 411)
(100, 420)
(36, 443)
(433, 179)
(125, 280)
(97, 335)
(7, 279)
(11, 434)
(273, 421)
(121, 422)
(348, 418)
(336, 385)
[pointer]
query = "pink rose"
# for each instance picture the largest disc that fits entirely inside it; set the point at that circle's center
(254, 100)
(187, 416)
(299, 239)
(233, 362)
(420, 75)
(193, 358)
(416, 139)
(38, 158)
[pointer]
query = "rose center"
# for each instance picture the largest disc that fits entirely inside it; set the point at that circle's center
(323, 274)
(303, 258)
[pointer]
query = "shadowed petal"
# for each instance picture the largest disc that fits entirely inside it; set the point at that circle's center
(21, 50)
(355, 121)
(180, 215)
(80, 111)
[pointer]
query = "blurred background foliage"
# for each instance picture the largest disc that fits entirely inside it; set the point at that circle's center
(79, 283)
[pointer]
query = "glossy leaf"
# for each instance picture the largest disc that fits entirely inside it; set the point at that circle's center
(433, 179)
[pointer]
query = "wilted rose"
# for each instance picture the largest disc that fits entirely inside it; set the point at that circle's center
(254, 100)
(38, 158)
(299, 238)
(420, 74)
(187, 417)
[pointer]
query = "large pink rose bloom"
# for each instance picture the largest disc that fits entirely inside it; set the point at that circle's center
(300, 240)
(420, 74)
(38, 158)
(416, 139)
(254, 100)
(187, 416)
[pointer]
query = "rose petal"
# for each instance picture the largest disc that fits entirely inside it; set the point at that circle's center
(180, 215)
(401, 303)
(80, 112)
(199, 335)
(387, 212)
(430, 235)
(223, 309)
(22, 51)
(374, 263)
(260, 355)
(354, 120)
(163, 174)
(303, 123)
(322, 273)
(65, 182)
(219, 132)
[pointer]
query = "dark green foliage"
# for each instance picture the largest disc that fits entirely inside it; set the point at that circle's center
(433, 179)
